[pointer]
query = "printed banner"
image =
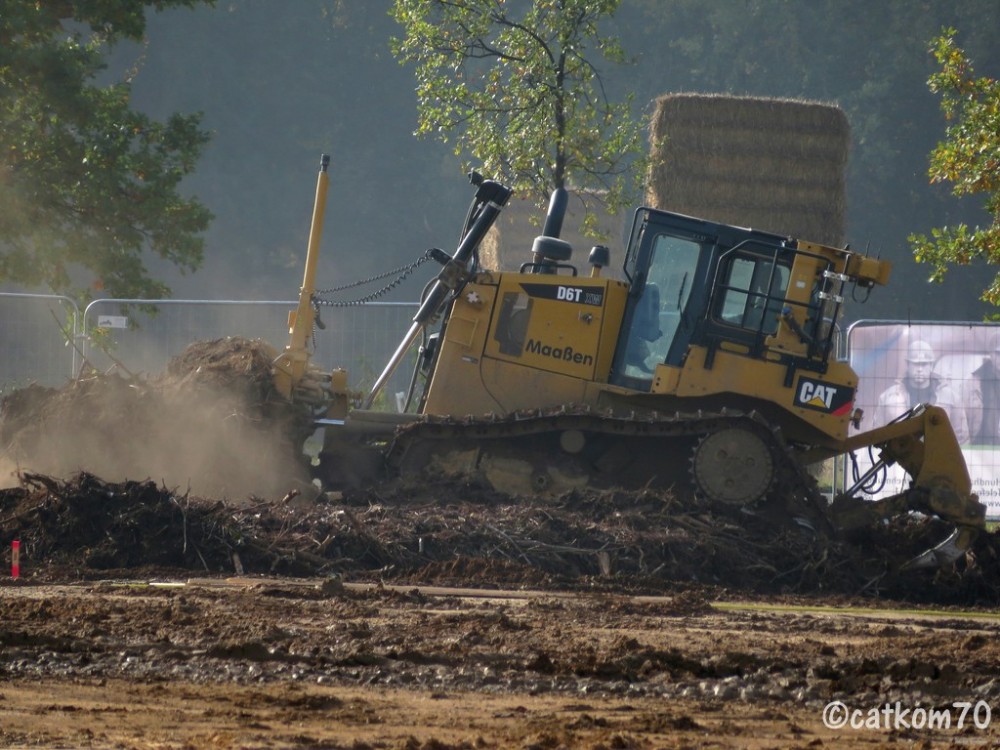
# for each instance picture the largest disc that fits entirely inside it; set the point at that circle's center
(956, 367)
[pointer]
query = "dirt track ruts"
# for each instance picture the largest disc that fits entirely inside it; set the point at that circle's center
(268, 663)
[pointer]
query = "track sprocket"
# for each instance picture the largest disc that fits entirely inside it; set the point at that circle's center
(733, 465)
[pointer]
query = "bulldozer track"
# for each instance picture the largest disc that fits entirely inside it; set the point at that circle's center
(653, 450)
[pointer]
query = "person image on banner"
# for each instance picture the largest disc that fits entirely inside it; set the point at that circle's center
(982, 400)
(920, 385)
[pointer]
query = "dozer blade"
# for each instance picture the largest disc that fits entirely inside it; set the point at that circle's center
(964, 511)
(923, 443)
(947, 552)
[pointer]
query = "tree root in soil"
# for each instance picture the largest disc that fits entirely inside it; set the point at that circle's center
(456, 533)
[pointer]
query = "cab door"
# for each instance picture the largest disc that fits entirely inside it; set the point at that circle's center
(668, 266)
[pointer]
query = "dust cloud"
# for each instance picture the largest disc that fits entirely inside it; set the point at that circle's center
(212, 425)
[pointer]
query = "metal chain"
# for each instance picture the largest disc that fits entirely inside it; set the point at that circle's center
(401, 275)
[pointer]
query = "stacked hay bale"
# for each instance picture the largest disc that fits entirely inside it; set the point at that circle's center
(777, 165)
(772, 164)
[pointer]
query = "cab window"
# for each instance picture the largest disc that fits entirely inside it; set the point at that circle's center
(660, 306)
(752, 292)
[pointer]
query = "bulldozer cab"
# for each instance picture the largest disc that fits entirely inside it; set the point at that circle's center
(698, 283)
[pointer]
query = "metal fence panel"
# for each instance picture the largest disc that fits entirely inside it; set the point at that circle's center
(35, 335)
(358, 338)
(960, 372)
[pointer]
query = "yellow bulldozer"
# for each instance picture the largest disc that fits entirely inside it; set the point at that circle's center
(708, 367)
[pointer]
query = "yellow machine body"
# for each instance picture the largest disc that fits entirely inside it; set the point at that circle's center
(530, 340)
(712, 361)
(520, 341)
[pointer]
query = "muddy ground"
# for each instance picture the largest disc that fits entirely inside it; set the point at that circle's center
(145, 618)
(278, 663)
(438, 614)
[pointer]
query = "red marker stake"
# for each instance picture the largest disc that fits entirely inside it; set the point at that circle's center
(15, 559)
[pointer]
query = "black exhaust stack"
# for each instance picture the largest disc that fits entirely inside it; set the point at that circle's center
(557, 212)
(548, 251)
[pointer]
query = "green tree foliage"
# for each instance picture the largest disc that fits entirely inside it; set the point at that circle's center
(968, 158)
(87, 184)
(516, 87)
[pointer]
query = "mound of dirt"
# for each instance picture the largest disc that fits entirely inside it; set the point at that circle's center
(213, 426)
(212, 423)
(453, 533)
